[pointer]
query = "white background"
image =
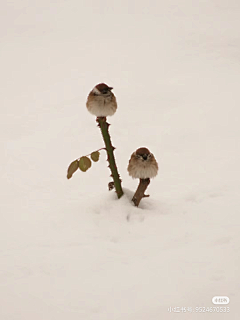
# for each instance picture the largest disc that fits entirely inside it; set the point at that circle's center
(69, 249)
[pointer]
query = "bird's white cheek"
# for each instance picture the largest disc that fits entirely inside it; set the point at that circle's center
(95, 90)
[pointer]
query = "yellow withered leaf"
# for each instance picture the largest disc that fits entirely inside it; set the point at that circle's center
(72, 168)
(95, 156)
(84, 163)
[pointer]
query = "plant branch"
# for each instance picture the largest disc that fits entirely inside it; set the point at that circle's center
(139, 194)
(102, 123)
(95, 151)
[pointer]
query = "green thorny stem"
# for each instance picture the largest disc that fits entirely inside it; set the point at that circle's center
(102, 123)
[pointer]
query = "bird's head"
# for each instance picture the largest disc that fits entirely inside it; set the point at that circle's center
(102, 89)
(143, 154)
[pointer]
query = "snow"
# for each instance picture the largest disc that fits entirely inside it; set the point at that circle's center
(69, 248)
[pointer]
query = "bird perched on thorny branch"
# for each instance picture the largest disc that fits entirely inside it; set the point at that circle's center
(101, 102)
(142, 164)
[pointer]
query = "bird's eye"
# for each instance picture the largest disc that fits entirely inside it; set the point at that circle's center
(104, 91)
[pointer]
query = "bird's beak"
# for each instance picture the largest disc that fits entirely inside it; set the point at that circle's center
(110, 88)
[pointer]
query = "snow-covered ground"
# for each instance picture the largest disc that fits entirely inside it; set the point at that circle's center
(69, 248)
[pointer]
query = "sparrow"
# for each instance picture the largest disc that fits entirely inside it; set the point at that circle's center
(101, 101)
(142, 164)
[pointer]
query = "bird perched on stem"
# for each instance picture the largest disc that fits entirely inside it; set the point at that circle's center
(101, 101)
(142, 164)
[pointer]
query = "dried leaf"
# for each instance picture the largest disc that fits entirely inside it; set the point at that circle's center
(95, 156)
(84, 163)
(111, 185)
(72, 168)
